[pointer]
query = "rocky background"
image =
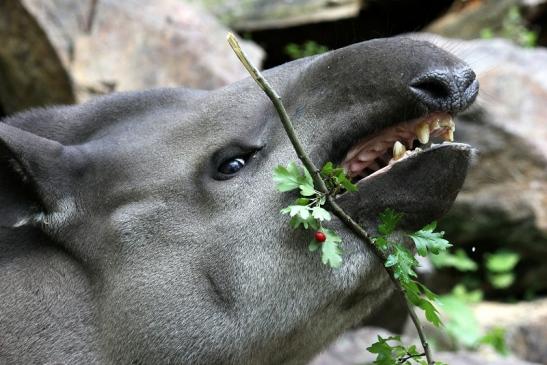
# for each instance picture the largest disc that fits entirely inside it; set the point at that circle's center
(494, 282)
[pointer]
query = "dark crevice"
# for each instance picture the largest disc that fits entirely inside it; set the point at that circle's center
(380, 18)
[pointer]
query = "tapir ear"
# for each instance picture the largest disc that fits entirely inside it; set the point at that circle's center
(37, 173)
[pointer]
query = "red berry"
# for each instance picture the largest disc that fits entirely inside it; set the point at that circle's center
(320, 236)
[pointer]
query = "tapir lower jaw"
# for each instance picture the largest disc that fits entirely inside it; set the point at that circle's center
(422, 186)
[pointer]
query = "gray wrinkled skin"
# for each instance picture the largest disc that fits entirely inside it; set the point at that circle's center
(120, 243)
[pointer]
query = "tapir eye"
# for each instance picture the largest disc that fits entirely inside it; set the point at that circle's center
(232, 166)
(228, 162)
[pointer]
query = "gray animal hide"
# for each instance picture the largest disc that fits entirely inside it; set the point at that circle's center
(124, 241)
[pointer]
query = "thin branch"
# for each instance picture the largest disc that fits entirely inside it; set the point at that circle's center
(318, 180)
(421, 334)
(408, 357)
(280, 108)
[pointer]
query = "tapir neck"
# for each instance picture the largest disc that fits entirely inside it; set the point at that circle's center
(45, 300)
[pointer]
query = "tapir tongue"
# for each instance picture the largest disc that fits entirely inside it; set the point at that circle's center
(422, 187)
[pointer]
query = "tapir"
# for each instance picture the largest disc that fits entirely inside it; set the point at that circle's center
(145, 227)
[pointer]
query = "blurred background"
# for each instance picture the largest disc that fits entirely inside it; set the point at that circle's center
(494, 280)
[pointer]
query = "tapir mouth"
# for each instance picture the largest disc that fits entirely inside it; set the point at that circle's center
(413, 167)
(375, 154)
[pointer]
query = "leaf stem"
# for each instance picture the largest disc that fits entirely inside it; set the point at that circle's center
(408, 357)
(318, 180)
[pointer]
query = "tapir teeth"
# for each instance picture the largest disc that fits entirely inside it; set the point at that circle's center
(447, 121)
(448, 135)
(398, 150)
(422, 131)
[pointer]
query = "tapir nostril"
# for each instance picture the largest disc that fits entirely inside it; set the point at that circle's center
(435, 87)
(450, 90)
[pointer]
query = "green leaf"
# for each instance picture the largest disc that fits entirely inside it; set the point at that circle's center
(297, 210)
(302, 201)
(331, 253)
(502, 280)
(428, 293)
(423, 298)
(307, 177)
(307, 190)
(336, 177)
(320, 214)
(313, 246)
(291, 177)
(495, 337)
(310, 223)
(403, 263)
(381, 242)
(412, 291)
(428, 241)
(469, 297)
(391, 351)
(458, 260)
(345, 182)
(388, 221)
(288, 178)
(327, 169)
(502, 261)
(461, 323)
(384, 351)
(431, 313)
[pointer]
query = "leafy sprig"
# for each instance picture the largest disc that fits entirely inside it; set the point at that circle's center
(307, 211)
(403, 263)
(391, 351)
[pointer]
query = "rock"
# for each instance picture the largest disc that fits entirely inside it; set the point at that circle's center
(468, 19)
(31, 72)
(525, 324)
(470, 358)
(350, 349)
(251, 15)
(504, 199)
(70, 51)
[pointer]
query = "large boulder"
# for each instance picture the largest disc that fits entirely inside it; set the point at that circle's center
(60, 51)
(525, 324)
(471, 19)
(250, 15)
(350, 349)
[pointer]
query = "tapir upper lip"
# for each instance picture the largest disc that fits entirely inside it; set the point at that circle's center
(422, 186)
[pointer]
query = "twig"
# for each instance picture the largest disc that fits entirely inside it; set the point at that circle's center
(280, 108)
(408, 357)
(421, 334)
(318, 180)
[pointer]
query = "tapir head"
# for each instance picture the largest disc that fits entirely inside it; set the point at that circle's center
(167, 201)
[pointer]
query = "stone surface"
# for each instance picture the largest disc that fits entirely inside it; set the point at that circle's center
(525, 323)
(467, 19)
(65, 50)
(250, 15)
(31, 72)
(350, 349)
